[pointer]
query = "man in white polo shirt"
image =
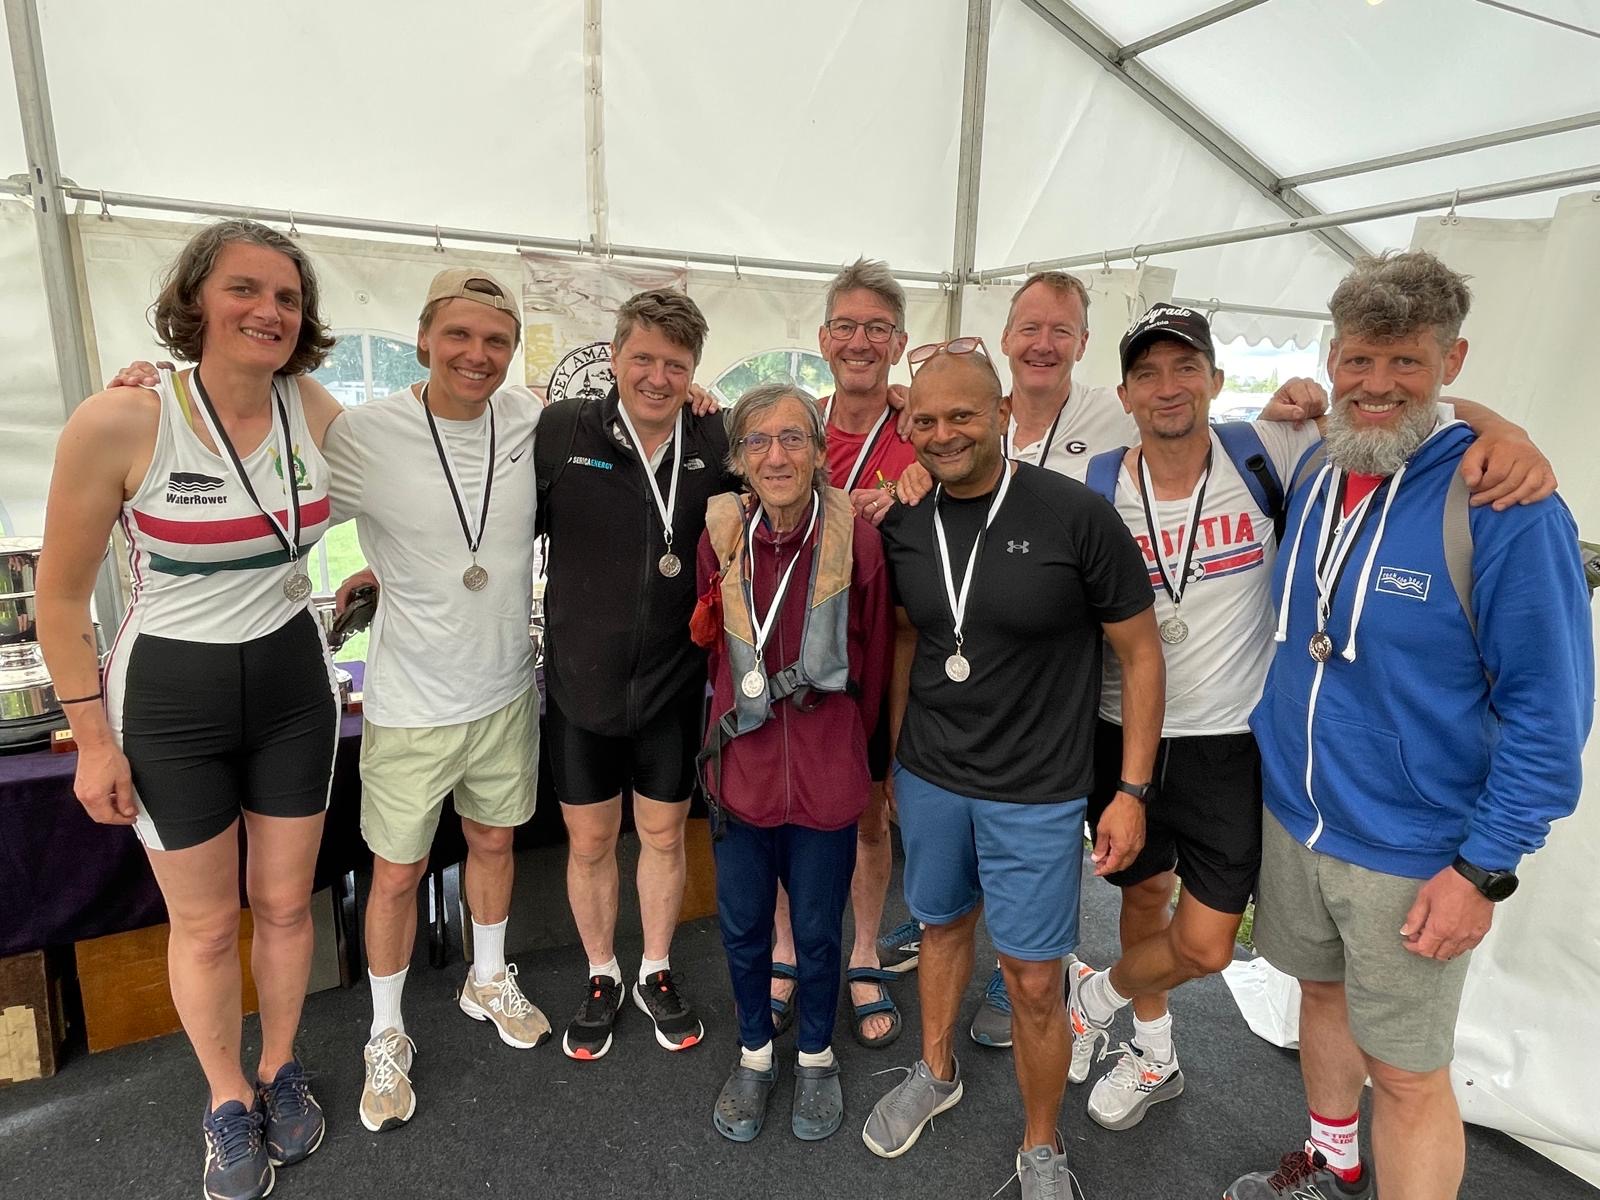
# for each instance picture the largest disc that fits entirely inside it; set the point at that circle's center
(439, 477)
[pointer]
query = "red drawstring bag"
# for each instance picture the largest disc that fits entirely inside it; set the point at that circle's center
(705, 626)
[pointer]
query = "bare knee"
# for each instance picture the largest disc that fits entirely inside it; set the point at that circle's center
(211, 939)
(872, 829)
(489, 841)
(1150, 897)
(1406, 1087)
(664, 837)
(1034, 987)
(592, 850)
(1201, 955)
(394, 883)
(280, 911)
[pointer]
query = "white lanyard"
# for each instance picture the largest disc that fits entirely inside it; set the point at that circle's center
(668, 506)
(854, 477)
(958, 604)
(763, 626)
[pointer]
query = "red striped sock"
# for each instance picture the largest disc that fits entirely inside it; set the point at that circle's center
(1337, 1138)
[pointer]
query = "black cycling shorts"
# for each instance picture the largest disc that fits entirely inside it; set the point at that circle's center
(657, 761)
(211, 729)
(1202, 815)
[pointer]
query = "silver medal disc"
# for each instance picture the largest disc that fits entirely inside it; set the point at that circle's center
(1174, 630)
(669, 564)
(475, 578)
(753, 684)
(957, 668)
(1321, 647)
(297, 586)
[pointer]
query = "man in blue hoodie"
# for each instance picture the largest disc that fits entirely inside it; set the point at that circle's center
(1415, 745)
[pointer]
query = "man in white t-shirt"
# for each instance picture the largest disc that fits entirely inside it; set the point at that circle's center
(439, 477)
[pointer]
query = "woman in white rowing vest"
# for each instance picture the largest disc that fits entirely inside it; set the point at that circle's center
(217, 701)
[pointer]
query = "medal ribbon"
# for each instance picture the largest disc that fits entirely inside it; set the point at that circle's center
(670, 505)
(1191, 530)
(288, 538)
(958, 604)
(867, 446)
(1335, 542)
(474, 540)
(763, 627)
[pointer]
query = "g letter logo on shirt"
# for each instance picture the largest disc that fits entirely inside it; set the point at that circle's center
(1397, 581)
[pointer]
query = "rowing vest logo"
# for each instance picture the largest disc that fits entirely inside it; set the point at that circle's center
(301, 478)
(584, 372)
(1397, 581)
(190, 487)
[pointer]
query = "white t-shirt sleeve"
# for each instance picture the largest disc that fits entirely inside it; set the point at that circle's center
(1286, 445)
(347, 468)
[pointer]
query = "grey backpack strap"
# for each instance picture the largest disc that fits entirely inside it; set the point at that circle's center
(1458, 545)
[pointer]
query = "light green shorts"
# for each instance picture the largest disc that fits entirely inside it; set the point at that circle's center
(491, 764)
(1322, 919)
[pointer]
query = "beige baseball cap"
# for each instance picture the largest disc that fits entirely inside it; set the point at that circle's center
(464, 283)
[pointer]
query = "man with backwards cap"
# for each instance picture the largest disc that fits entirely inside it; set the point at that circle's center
(1011, 576)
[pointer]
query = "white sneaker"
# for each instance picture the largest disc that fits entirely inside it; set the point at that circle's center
(1136, 1081)
(387, 1099)
(1083, 1047)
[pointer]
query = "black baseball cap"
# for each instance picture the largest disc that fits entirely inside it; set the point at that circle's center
(1167, 321)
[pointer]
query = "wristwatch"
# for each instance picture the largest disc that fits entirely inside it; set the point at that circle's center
(1139, 791)
(1494, 885)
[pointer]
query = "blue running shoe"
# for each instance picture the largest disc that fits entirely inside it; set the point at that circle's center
(991, 1026)
(237, 1166)
(294, 1126)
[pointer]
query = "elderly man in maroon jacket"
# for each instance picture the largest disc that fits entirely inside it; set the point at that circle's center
(796, 615)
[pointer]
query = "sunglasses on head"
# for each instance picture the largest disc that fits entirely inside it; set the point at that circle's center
(960, 345)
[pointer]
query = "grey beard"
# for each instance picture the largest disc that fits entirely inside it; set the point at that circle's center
(1379, 452)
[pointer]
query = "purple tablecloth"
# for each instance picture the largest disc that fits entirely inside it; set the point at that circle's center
(64, 878)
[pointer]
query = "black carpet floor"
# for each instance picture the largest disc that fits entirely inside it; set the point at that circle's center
(493, 1121)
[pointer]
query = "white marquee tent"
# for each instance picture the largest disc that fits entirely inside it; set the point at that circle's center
(1161, 148)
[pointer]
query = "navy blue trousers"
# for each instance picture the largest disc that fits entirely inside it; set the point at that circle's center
(815, 868)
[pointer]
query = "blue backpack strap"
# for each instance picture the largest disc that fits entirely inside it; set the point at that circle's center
(1102, 474)
(1244, 447)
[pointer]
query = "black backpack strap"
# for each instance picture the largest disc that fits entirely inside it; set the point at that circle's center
(552, 448)
(1249, 456)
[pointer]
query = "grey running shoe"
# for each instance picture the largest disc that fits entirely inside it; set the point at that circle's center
(1043, 1174)
(991, 1024)
(237, 1166)
(1303, 1173)
(899, 949)
(387, 1098)
(293, 1125)
(1082, 1048)
(1123, 1094)
(897, 1120)
(515, 1018)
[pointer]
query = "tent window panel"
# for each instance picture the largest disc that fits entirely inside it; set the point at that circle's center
(805, 367)
(1252, 373)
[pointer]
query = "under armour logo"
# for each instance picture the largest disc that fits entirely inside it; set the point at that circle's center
(1016, 547)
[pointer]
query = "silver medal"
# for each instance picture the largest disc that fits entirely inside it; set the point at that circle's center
(296, 586)
(754, 683)
(669, 565)
(957, 668)
(475, 578)
(1321, 646)
(1173, 630)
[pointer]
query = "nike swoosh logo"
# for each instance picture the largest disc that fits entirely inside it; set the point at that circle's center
(514, 457)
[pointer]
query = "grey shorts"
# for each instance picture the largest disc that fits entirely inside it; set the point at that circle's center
(1321, 919)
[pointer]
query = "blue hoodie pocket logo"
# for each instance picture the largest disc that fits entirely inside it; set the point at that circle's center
(1397, 581)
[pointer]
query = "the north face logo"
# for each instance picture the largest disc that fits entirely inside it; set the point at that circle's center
(1016, 547)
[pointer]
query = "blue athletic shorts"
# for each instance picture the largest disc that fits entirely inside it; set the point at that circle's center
(1023, 862)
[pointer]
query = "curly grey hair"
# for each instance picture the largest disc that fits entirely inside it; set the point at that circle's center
(1396, 294)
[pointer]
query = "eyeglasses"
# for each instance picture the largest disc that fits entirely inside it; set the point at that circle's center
(960, 345)
(792, 440)
(842, 329)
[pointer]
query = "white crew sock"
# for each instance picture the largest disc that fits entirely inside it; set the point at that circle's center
(612, 970)
(1100, 1000)
(386, 991)
(488, 951)
(759, 1059)
(1340, 1143)
(1154, 1037)
(823, 1058)
(649, 966)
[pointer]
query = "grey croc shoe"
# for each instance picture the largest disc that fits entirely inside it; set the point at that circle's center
(818, 1102)
(742, 1105)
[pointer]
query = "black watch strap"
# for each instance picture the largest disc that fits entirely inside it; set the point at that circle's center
(1139, 791)
(1493, 885)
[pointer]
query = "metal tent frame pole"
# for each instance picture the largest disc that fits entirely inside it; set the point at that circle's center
(970, 165)
(1153, 90)
(1184, 28)
(1351, 216)
(43, 188)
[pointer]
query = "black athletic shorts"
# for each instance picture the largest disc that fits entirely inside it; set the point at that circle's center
(211, 729)
(1202, 816)
(656, 762)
